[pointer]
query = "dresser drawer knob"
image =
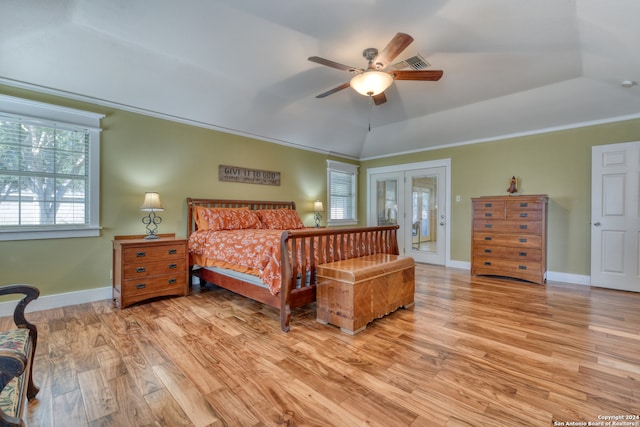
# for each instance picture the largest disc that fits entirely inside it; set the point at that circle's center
(487, 238)
(141, 286)
(140, 269)
(488, 214)
(522, 253)
(524, 205)
(173, 251)
(141, 254)
(523, 240)
(524, 215)
(487, 263)
(487, 251)
(172, 281)
(523, 226)
(488, 225)
(522, 267)
(172, 266)
(488, 205)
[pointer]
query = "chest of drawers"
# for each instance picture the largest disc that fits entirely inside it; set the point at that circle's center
(144, 269)
(509, 237)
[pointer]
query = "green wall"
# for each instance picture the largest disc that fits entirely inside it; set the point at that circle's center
(141, 153)
(556, 163)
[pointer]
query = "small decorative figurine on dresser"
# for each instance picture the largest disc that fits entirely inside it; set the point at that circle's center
(513, 186)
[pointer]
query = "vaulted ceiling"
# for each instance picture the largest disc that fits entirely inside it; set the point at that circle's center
(510, 66)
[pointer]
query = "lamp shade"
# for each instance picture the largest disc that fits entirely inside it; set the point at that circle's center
(151, 202)
(317, 206)
(371, 82)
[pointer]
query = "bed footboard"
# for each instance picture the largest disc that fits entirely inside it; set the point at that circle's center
(328, 245)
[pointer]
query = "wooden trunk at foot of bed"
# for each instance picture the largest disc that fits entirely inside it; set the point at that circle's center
(296, 290)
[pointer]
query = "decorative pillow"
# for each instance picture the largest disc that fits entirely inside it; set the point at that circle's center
(199, 218)
(280, 219)
(215, 219)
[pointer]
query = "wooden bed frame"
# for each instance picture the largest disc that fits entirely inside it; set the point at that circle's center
(295, 290)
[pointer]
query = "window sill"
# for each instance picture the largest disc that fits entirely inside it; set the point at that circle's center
(55, 233)
(339, 223)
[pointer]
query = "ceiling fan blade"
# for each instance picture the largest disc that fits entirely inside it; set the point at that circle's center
(397, 44)
(334, 90)
(429, 75)
(331, 64)
(380, 98)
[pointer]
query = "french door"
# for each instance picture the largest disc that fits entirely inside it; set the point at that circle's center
(615, 216)
(416, 197)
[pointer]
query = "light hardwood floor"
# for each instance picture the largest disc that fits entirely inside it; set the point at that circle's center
(474, 351)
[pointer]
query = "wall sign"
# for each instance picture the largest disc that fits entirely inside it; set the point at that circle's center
(250, 176)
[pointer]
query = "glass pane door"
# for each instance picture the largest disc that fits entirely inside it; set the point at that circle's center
(423, 208)
(387, 201)
(426, 241)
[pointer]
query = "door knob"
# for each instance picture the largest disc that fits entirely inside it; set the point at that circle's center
(597, 223)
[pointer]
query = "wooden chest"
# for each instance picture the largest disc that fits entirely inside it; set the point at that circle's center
(351, 293)
(144, 269)
(509, 237)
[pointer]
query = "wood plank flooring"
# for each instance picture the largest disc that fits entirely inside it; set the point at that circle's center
(474, 351)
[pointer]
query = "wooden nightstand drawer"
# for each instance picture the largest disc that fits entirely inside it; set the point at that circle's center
(154, 284)
(157, 252)
(144, 269)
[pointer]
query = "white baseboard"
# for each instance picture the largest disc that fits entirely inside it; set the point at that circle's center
(576, 279)
(59, 300)
(464, 265)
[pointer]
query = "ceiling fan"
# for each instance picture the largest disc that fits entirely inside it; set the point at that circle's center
(375, 79)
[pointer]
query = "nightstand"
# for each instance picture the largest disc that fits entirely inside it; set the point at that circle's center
(149, 268)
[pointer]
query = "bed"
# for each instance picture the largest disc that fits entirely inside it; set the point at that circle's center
(280, 270)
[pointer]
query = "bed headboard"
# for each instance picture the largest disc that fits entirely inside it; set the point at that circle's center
(223, 203)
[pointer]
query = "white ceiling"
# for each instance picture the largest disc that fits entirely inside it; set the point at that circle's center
(510, 66)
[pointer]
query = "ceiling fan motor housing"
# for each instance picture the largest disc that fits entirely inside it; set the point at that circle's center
(370, 54)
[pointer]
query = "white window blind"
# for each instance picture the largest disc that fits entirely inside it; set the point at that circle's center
(49, 171)
(342, 188)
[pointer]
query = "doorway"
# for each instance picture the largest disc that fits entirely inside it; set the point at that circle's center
(415, 196)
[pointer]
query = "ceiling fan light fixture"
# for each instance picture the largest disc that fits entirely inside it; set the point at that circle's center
(371, 82)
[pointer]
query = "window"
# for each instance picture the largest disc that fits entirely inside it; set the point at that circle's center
(342, 187)
(49, 171)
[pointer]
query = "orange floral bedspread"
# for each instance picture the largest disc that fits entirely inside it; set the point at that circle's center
(252, 251)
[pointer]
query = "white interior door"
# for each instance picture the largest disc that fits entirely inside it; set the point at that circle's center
(615, 216)
(416, 197)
